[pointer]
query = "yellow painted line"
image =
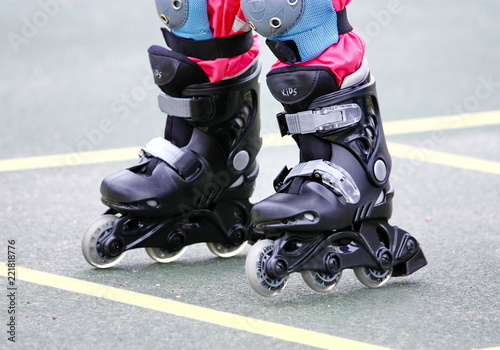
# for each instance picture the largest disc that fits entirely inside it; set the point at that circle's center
(443, 158)
(274, 140)
(69, 159)
(198, 313)
(450, 122)
(269, 140)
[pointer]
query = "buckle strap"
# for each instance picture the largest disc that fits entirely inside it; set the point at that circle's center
(194, 108)
(322, 120)
(210, 49)
(184, 163)
(331, 175)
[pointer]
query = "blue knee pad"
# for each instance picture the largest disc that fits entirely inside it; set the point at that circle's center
(186, 19)
(296, 30)
(188, 31)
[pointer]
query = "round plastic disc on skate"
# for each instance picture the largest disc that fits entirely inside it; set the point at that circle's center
(162, 255)
(255, 267)
(97, 229)
(372, 278)
(320, 282)
(225, 250)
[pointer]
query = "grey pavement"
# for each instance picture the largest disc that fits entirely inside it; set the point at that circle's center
(74, 78)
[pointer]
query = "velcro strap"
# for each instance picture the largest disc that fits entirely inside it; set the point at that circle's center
(210, 49)
(185, 163)
(322, 120)
(331, 175)
(285, 50)
(342, 22)
(194, 108)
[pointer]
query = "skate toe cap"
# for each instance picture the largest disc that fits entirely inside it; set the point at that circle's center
(315, 207)
(116, 188)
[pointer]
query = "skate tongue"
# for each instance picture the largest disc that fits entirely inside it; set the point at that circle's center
(295, 185)
(146, 168)
(312, 148)
(173, 72)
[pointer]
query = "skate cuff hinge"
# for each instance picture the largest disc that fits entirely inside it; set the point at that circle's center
(331, 175)
(184, 163)
(321, 120)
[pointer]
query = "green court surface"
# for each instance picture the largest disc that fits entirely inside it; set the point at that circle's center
(77, 101)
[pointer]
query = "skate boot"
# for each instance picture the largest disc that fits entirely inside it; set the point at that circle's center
(331, 211)
(194, 184)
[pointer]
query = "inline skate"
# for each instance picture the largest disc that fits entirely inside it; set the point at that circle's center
(330, 212)
(192, 185)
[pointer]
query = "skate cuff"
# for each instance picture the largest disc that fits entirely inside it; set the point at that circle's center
(184, 163)
(327, 119)
(196, 109)
(332, 176)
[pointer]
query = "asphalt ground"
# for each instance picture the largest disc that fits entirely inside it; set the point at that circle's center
(76, 104)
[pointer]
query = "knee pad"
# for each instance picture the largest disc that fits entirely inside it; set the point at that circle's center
(186, 20)
(188, 31)
(296, 30)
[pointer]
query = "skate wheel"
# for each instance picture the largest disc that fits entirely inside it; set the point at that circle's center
(320, 282)
(372, 278)
(163, 255)
(95, 231)
(255, 267)
(225, 250)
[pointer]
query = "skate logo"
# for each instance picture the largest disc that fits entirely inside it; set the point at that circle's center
(289, 92)
(157, 74)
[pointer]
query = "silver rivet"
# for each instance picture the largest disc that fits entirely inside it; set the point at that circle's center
(380, 170)
(241, 160)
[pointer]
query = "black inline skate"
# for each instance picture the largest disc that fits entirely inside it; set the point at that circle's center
(194, 184)
(330, 211)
